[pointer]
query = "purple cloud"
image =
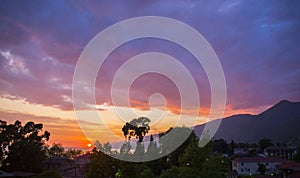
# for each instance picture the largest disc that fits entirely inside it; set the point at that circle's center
(257, 43)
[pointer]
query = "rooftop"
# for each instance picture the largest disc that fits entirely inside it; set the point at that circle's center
(56, 159)
(289, 165)
(261, 159)
(278, 148)
(85, 156)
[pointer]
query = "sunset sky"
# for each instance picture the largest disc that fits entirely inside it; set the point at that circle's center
(257, 43)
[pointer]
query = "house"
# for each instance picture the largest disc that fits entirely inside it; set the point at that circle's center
(240, 152)
(82, 160)
(289, 169)
(59, 163)
(250, 165)
(280, 151)
(80, 163)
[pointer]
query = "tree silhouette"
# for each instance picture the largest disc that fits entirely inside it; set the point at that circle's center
(125, 149)
(264, 143)
(56, 150)
(261, 169)
(101, 165)
(137, 128)
(22, 147)
(71, 153)
(152, 150)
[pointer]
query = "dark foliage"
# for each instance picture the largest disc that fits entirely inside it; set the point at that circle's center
(137, 128)
(22, 147)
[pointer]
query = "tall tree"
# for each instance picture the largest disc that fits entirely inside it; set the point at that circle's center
(71, 153)
(261, 169)
(101, 165)
(169, 140)
(264, 143)
(137, 128)
(139, 151)
(152, 150)
(125, 148)
(220, 146)
(107, 148)
(56, 150)
(3, 141)
(215, 166)
(23, 147)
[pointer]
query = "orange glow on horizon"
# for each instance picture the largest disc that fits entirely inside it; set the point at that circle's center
(65, 130)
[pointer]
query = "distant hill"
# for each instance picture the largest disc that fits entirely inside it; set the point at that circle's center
(279, 123)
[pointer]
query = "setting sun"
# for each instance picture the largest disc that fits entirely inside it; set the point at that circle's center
(89, 145)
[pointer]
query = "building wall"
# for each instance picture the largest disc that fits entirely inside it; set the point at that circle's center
(251, 168)
(288, 154)
(82, 161)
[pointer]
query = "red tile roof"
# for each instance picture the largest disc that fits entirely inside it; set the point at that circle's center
(289, 165)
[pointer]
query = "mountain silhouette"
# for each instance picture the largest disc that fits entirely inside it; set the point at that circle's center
(281, 123)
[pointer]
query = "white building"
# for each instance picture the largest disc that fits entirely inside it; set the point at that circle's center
(250, 165)
(280, 151)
